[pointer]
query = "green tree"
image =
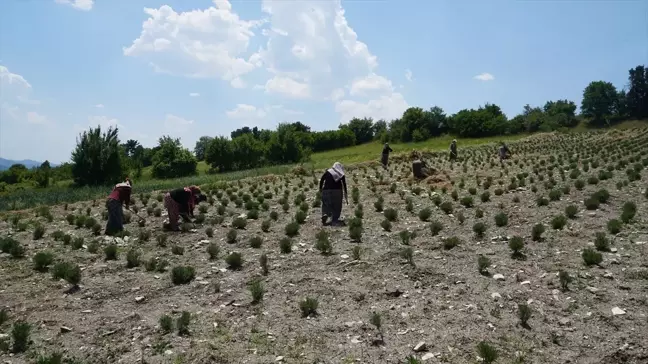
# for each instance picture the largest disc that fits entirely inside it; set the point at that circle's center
(97, 159)
(173, 160)
(15, 174)
(289, 144)
(363, 129)
(42, 174)
(561, 112)
(220, 154)
(248, 152)
(599, 101)
(201, 147)
(637, 97)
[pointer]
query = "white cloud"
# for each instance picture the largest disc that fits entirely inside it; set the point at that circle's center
(103, 121)
(176, 124)
(484, 77)
(194, 94)
(36, 118)
(84, 5)
(288, 87)
(287, 111)
(386, 107)
(238, 83)
(99, 106)
(199, 43)
(313, 45)
(408, 75)
(370, 83)
(245, 112)
(8, 79)
(14, 88)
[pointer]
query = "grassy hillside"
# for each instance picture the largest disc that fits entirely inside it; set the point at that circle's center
(62, 193)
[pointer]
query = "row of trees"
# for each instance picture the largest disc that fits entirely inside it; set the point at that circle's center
(99, 158)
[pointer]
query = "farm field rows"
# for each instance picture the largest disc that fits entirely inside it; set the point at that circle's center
(542, 260)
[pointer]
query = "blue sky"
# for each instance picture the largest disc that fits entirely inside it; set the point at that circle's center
(191, 68)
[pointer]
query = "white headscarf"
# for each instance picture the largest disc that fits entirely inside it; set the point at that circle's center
(337, 171)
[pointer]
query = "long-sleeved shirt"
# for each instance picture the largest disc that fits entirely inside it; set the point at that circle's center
(121, 194)
(328, 183)
(387, 149)
(185, 199)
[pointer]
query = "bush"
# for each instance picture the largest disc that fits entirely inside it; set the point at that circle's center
(182, 275)
(274, 215)
(601, 242)
(182, 324)
(479, 228)
(565, 279)
(629, 211)
(485, 196)
(571, 211)
(133, 258)
(482, 264)
(110, 251)
(323, 243)
(209, 232)
(42, 261)
(436, 227)
(265, 225)
(213, 250)
(177, 250)
(300, 217)
(292, 229)
(579, 184)
(20, 333)
(308, 307)
(542, 201)
(285, 245)
(425, 214)
(231, 236)
(524, 313)
(256, 290)
(386, 225)
(161, 240)
(558, 222)
(451, 242)
(73, 274)
(601, 195)
(501, 219)
(391, 214)
(591, 257)
(446, 207)
(39, 232)
(614, 226)
(239, 223)
(256, 242)
(166, 324)
(537, 231)
(554, 195)
(379, 204)
(487, 352)
(516, 244)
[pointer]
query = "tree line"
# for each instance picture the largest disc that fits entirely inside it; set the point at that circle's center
(99, 157)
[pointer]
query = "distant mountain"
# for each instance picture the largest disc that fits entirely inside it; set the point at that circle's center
(6, 163)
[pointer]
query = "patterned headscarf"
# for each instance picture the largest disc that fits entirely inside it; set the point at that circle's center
(337, 171)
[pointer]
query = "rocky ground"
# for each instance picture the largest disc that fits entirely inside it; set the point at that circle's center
(433, 302)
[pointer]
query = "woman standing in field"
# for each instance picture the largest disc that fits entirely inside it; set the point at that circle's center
(119, 196)
(385, 155)
(333, 187)
(180, 203)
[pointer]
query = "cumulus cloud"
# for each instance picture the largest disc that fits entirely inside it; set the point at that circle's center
(484, 77)
(103, 121)
(13, 87)
(176, 124)
(245, 112)
(84, 5)
(36, 118)
(309, 51)
(199, 43)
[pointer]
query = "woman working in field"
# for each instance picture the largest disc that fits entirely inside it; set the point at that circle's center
(180, 203)
(333, 187)
(119, 196)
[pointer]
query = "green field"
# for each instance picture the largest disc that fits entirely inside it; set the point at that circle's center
(62, 193)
